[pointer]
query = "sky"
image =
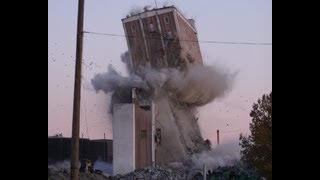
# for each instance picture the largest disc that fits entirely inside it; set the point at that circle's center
(228, 20)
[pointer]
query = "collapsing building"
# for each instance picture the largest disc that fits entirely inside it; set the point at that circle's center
(158, 126)
(161, 38)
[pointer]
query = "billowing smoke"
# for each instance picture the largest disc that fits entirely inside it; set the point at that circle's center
(106, 168)
(224, 155)
(136, 10)
(111, 80)
(196, 87)
(116, 84)
(125, 58)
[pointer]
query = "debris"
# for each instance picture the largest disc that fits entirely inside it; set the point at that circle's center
(156, 172)
(228, 172)
(174, 171)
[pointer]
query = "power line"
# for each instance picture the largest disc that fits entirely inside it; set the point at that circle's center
(233, 131)
(200, 41)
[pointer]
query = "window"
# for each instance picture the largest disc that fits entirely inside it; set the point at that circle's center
(143, 134)
(133, 28)
(146, 108)
(151, 27)
(166, 20)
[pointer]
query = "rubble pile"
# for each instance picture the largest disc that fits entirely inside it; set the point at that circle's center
(173, 171)
(151, 173)
(161, 173)
(228, 172)
(64, 174)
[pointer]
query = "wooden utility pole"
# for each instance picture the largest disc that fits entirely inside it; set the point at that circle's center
(77, 94)
(104, 146)
(61, 148)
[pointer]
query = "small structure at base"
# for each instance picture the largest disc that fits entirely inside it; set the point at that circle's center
(86, 166)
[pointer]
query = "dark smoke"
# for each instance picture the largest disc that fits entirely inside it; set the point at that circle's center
(111, 80)
(119, 86)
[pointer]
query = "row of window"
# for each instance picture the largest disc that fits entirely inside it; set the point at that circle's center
(151, 26)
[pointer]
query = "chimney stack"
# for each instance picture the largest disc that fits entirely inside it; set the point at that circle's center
(218, 137)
